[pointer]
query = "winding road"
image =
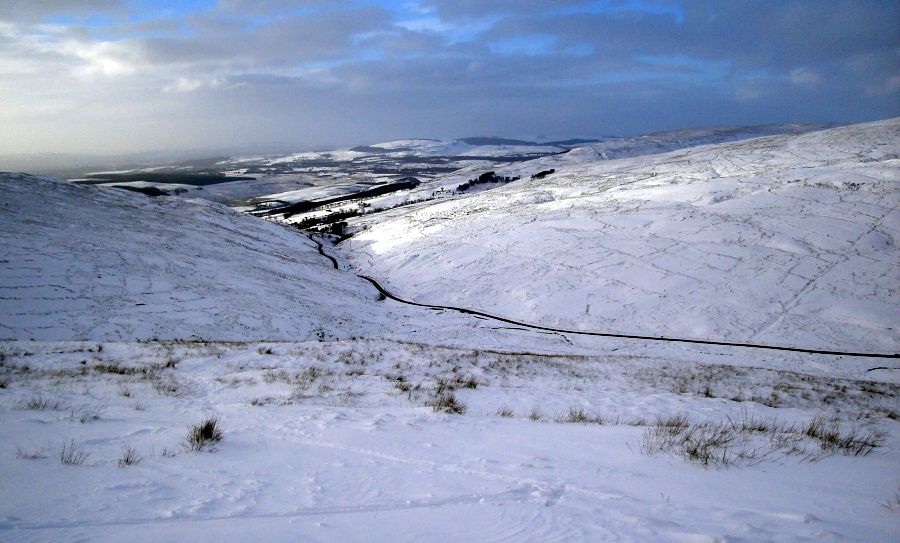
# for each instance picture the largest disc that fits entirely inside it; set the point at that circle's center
(384, 293)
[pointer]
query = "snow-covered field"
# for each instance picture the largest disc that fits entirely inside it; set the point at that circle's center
(336, 441)
(785, 240)
(126, 320)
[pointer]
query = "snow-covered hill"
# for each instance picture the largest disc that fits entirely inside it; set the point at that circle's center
(97, 263)
(559, 151)
(786, 239)
(422, 148)
(619, 147)
(411, 424)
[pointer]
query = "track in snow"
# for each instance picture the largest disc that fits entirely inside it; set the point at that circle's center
(384, 293)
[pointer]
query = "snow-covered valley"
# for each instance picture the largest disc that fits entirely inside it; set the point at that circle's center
(126, 320)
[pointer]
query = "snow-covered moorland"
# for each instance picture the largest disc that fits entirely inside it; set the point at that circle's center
(127, 322)
(785, 240)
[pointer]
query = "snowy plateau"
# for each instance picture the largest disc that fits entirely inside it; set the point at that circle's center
(174, 369)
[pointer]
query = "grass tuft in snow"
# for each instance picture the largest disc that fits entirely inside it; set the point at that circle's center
(722, 443)
(168, 386)
(41, 403)
(85, 414)
(704, 443)
(116, 369)
(852, 442)
(445, 384)
(204, 435)
(71, 454)
(446, 402)
(892, 505)
(579, 415)
(129, 457)
(270, 376)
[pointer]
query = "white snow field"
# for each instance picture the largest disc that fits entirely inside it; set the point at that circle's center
(334, 441)
(126, 320)
(782, 240)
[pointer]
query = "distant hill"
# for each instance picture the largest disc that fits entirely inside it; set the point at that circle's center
(483, 140)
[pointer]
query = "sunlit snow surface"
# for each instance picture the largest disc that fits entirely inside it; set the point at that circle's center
(788, 240)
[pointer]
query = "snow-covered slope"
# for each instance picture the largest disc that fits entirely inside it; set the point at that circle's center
(94, 263)
(606, 148)
(621, 147)
(786, 239)
(662, 142)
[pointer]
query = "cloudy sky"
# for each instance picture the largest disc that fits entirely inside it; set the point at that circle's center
(118, 76)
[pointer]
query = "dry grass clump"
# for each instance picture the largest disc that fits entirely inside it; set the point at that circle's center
(71, 454)
(129, 457)
(449, 384)
(446, 402)
(271, 375)
(41, 403)
(168, 386)
(579, 415)
(852, 442)
(751, 439)
(205, 435)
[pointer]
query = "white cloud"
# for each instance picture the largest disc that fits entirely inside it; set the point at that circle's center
(186, 84)
(183, 84)
(416, 7)
(105, 58)
(454, 32)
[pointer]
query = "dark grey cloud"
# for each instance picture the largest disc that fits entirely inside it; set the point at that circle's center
(11, 10)
(282, 42)
(265, 7)
(353, 72)
(755, 33)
